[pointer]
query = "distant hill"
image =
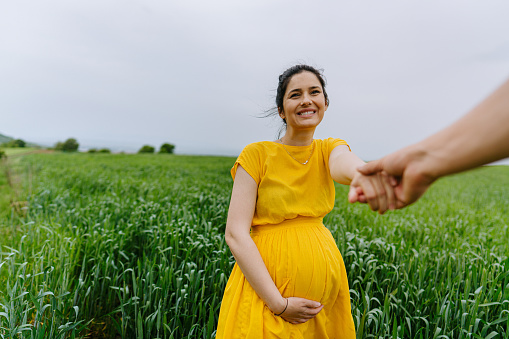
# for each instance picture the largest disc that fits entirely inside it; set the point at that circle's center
(4, 138)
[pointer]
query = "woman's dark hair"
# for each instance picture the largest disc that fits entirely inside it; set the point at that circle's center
(284, 79)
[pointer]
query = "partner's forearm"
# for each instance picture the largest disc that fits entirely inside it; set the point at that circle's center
(480, 137)
(251, 263)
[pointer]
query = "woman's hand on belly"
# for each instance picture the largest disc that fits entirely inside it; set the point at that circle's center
(300, 310)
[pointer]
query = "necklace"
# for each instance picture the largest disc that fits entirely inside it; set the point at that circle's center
(302, 163)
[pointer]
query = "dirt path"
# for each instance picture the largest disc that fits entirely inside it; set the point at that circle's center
(45, 151)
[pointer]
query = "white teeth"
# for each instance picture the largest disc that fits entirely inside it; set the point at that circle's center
(306, 113)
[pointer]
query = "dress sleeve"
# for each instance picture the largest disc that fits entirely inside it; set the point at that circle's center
(250, 160)
(328, 145)
(334, 142)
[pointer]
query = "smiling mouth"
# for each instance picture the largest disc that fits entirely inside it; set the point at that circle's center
(306, 113)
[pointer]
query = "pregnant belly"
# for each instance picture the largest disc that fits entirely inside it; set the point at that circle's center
(302, 258)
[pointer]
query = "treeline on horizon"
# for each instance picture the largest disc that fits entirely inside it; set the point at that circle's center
(72, 145)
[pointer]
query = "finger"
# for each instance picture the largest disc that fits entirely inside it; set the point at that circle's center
(312, 303)
(403, 195)
(355, 190)
(389, 191)
(363, 199)
(413, 185)
(369, 192)
(400, 199)
(305, 317)
(313, 312)
(360, 195)
(297, 321)
(380, 193)
(352, 195)
(371, 167)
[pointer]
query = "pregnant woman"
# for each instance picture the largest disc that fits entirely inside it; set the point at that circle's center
(289, 280)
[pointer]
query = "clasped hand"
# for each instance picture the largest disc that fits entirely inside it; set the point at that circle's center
(406, 171)
(377, 190)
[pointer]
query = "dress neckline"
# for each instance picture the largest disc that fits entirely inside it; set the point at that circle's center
(279, 143)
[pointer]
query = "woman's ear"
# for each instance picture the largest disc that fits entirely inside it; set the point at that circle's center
(281, 113)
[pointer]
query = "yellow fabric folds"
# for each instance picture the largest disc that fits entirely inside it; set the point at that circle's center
(297, 249)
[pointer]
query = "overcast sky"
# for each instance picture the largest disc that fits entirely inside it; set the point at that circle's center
(197, 74)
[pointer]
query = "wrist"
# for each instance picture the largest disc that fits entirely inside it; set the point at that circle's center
(423, 162)
(284, 309)
(278, 305)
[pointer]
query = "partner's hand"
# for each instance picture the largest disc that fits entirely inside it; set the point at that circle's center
(376, 189)
(408, 168)
(300, 310)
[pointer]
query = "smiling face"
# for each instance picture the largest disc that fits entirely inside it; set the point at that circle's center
(304, 102)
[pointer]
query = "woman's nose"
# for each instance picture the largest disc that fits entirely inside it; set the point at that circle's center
(306, 100)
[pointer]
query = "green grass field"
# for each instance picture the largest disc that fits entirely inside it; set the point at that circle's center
(132, 246)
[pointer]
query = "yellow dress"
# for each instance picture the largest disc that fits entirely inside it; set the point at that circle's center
(299, 251)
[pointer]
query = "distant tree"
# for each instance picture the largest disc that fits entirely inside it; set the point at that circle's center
(59, 146)
(19, 143)
(14, 143)
(70, 145)
(147, 149)
(104, 150)
(167, 148)
(2, 154)
(92, 150)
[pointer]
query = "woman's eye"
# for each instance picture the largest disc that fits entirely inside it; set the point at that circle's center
(315, 92)
(294, 95)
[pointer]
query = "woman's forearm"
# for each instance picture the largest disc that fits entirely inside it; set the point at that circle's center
(343, 165)
(251, 263)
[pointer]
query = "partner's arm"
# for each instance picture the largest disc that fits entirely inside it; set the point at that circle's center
(480, 137)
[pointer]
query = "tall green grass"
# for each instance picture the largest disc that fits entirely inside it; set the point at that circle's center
(132, 246)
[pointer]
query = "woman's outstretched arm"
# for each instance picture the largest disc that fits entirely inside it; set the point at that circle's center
(478, 138)
(238, 238)
(377, 189)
